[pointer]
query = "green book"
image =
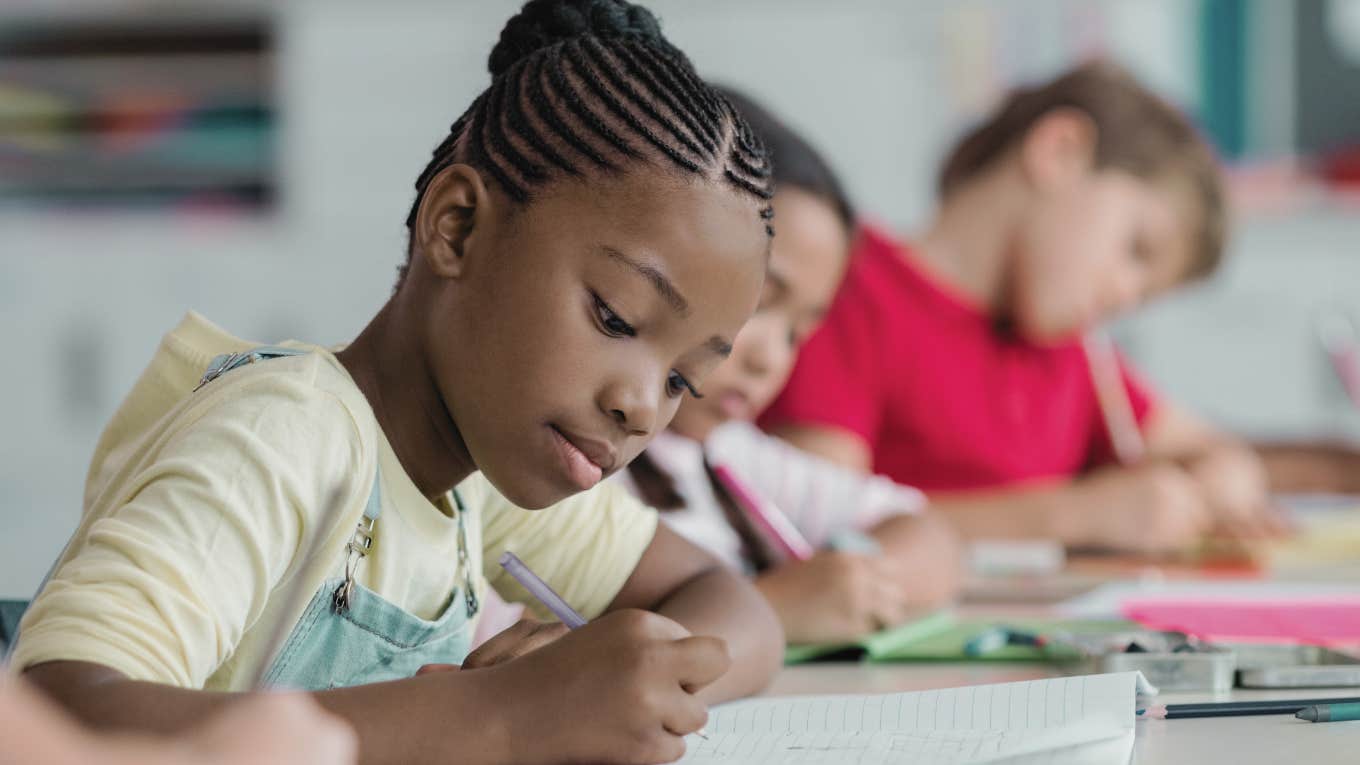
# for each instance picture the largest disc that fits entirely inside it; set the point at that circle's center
(942, 637)
(875, 647)
(948, 644)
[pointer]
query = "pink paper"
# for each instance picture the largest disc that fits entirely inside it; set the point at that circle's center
(1323, 621)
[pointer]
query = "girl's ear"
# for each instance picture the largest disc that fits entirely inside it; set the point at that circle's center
(1059, 148)
(455, 203)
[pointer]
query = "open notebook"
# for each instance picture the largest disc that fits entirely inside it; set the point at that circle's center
(1084, 720)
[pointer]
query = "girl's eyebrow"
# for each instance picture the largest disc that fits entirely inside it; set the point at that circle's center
(717, 345)
(659, 281)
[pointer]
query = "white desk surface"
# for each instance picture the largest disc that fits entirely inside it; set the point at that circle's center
(1263, 740)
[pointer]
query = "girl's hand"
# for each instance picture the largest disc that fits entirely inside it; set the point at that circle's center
(618, 690)
(526, 635)
(523, 636)
(1154, 507)
(835, 596)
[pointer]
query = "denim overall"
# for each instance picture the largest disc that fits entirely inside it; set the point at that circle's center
(348, 634)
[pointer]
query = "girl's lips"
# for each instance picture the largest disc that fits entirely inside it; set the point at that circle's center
(734, 405)
(580, 470)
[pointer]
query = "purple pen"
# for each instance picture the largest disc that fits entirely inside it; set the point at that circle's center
(540, 589)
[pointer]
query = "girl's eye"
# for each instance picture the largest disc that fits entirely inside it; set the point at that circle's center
(676, 385)
(612, 324)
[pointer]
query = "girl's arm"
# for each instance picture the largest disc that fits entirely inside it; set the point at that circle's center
(615, 690)
(838, 445)
(428, 711)
(681, 581)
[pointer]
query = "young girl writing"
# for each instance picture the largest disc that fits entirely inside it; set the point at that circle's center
(584, 246)
(835, 595)
(956, 363)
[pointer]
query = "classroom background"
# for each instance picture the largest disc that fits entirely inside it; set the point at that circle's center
(254, 161)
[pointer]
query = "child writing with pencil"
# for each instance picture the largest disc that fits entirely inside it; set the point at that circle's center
(956, 363)
(835, 594)
(584, 246)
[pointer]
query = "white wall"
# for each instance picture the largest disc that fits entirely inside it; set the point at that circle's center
(367, 90)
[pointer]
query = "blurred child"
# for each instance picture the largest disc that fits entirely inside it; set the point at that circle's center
(584, 246)
(270, 729)
(835, 595)
(956, 364)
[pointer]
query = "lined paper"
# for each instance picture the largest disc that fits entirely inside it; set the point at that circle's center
(1086, 719)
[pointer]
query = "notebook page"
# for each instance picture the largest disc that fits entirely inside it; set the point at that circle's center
(1040, 721)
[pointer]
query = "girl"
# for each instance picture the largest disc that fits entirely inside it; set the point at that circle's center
(956, 363)
(834, 595)
(584, 246)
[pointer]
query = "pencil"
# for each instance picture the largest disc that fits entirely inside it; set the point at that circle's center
(765, 515)
(1238, 708)
(1113, 396)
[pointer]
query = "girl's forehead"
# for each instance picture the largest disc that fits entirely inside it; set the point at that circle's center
(706, 241)
(661, 215)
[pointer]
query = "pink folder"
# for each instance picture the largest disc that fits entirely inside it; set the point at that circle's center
(1322, 621)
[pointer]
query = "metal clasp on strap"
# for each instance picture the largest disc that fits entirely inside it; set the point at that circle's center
(217, 366)
(359, 545)
(469, 586)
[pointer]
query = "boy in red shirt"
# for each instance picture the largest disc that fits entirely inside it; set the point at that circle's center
(957, 364)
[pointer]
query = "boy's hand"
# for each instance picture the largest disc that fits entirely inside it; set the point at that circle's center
(1154, 507)
(835, 596)
(618, 690)
(1234, 485)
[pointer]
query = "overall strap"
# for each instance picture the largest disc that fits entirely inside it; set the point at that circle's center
(226, 362)
(362, 539)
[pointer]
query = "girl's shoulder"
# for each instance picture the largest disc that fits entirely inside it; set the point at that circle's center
(308, 394)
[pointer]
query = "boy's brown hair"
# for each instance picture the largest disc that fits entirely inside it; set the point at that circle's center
(1138, 132)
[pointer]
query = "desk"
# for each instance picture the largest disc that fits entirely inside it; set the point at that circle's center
(1263, 740)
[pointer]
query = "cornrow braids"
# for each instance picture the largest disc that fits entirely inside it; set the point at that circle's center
(583, 86)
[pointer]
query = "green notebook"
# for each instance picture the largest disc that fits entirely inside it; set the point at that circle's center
(876, 647)
(941, 637)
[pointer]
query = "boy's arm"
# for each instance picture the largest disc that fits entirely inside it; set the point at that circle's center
(1151, 507)
(1229, 472)
(679, 580)
(1332, 468)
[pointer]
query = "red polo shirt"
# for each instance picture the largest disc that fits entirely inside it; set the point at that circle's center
(943, 398)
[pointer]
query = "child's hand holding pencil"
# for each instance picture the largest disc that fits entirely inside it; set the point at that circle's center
(619, 689)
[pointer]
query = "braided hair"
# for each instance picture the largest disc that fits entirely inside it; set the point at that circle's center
(582, 86)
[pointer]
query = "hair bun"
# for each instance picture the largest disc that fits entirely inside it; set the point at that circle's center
(541, 23)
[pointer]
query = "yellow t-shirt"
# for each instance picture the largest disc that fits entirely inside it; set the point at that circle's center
(196, 506)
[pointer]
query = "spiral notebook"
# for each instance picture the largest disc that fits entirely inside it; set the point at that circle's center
(1077, 720)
